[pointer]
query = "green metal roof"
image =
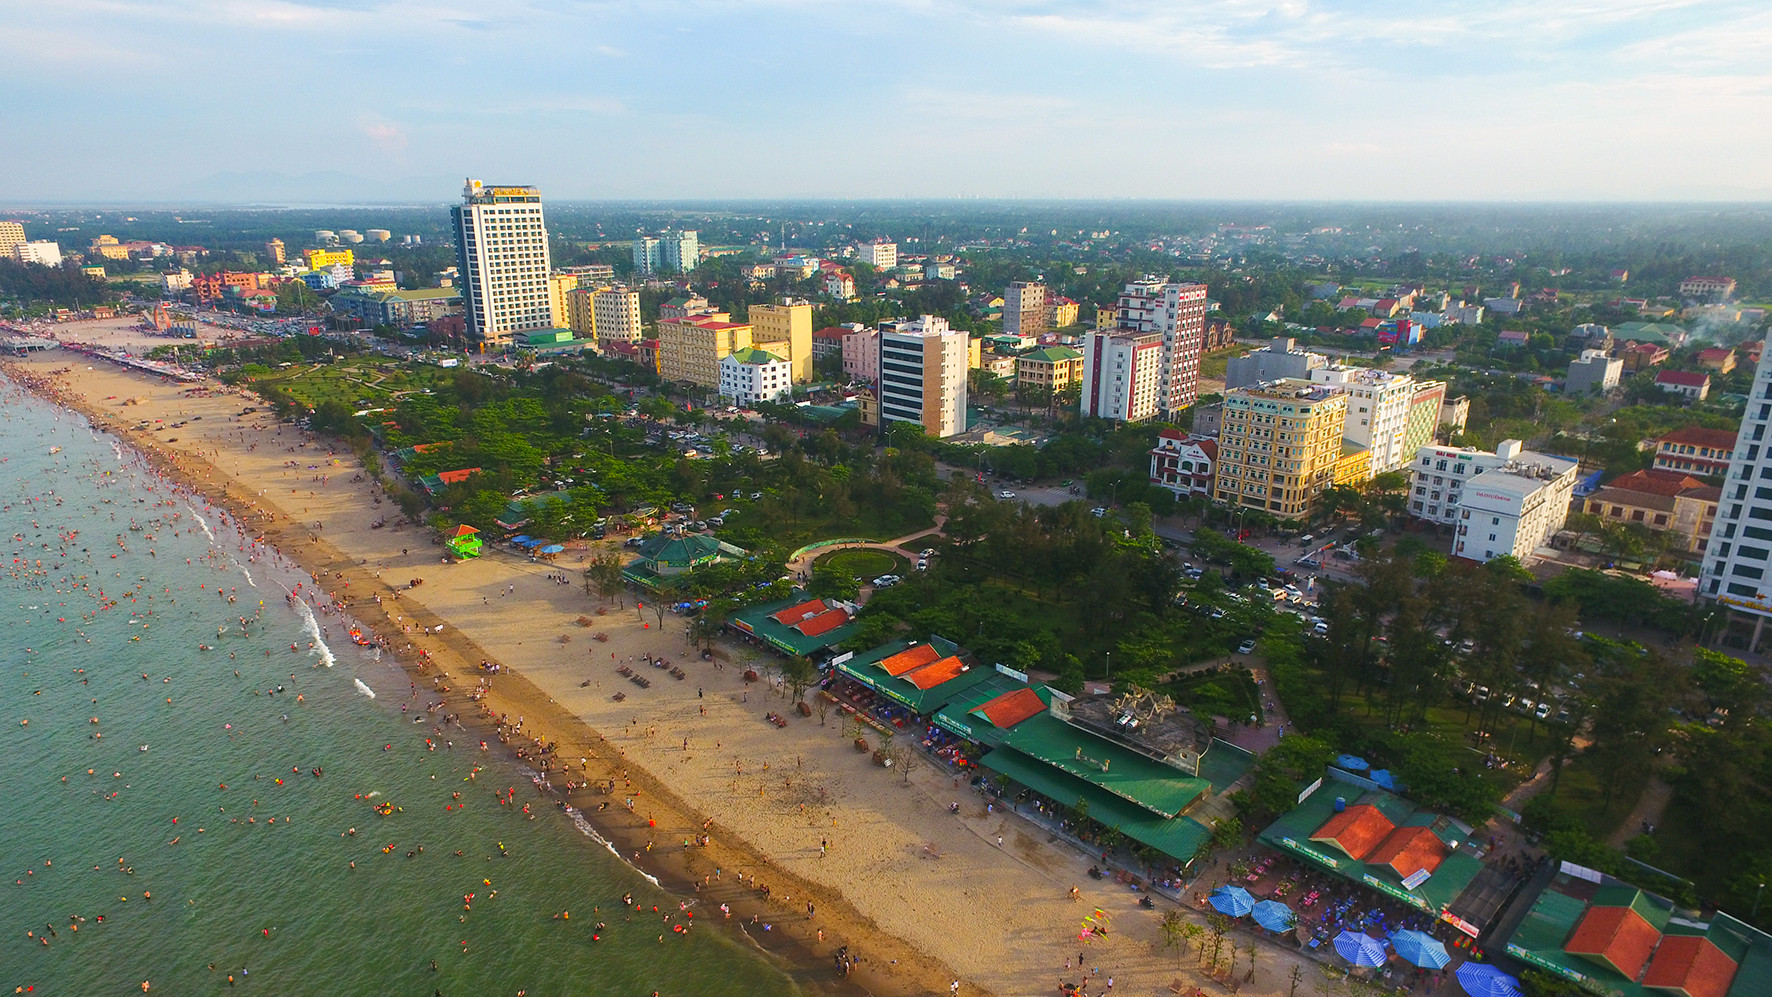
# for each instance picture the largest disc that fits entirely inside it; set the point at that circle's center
(1177, 837)
(752, 355)
(679, 552)
(757, 622)
(1293, 830)
(1053, 354)
(1156, 787)
(1224, 763)
(865, 668)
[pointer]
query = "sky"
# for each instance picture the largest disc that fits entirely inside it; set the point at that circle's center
(180, 100)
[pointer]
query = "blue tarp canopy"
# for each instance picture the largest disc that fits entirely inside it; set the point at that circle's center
(1353, 763)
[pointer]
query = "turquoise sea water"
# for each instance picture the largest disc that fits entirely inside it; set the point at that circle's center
(113, 575)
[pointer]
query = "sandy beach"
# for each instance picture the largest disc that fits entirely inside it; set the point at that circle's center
(924, 896)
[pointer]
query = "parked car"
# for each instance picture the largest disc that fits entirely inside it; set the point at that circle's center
(886, 581)
(1005, 494)
(1247, 647)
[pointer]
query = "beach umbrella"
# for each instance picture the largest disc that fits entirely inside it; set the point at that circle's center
(519, 538)
(1353, 763)
(1383, 777)
(1233, 900)
(1479, 979)
(1359, 948)
(1420, 949)
(1274, 915)
(552, 549)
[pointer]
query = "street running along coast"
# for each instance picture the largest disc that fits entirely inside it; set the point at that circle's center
(621, 805)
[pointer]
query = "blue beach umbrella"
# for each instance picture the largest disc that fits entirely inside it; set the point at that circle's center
(1479, 979)
(1383, 777)
(519, 538)
(1233, 900)
(552, 549)
(1353, 763)
(1274, 915)
(1420, 949)
(1359, 948)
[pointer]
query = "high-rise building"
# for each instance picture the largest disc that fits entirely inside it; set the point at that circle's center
(1739, 555)
(1377, 411)
(1024, 309)
(785, 329)
(879, 254)
(923, 375)
(647, 254)
(1279, 444)
(1178, 312)
(606, 314)
(46, 252)
(1424, 415)
(12, 235)
(680, 251)
(690, 349)
(559, 286)
(501, 245)
(1121, 371)
(275, 251)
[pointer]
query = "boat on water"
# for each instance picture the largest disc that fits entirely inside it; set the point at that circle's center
(55, 450)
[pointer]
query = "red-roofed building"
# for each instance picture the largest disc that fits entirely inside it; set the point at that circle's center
(1011, 708)
(794, 615)
(1642, 356)
(1184, 463)
(1618, 937)
(828, 342)
(935, 673)
(911, 657)
(1692, 966)
(1409, 850)
(1695, 449)
(823, 623)
(1718, 358)
(1356, 830)
(1694, 385)
(1659, 500)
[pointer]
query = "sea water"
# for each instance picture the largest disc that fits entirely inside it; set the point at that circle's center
(116, 822)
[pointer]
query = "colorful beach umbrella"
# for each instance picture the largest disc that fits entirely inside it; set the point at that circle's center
(1479, 979)
(1420, 949)
(1359, 948)
(1274, 915)
(1233, 900)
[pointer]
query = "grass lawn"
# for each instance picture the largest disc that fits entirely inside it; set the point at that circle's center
(861, 564)
(1229, 692)
(1578, 793)
(1213, 365)
(354, 381)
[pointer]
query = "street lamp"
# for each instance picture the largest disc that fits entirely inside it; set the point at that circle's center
(1757, 894)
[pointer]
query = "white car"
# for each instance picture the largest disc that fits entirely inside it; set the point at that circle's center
(1005, 494)
(923, 564)
(1247, 647)
(1320, 627)
(886, 581)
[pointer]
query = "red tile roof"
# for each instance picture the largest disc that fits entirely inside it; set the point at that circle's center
(931, 675)
(1616, 936)
(833, 332)
(1697, 436)
(1355, 830)
(1690, 965)
(1684, 378)
(1655, 482)
(794, 614)
(909, 658)
(1409, 850)
(455, 477)
(1715, 353)
(823, 623)
(1011, 708)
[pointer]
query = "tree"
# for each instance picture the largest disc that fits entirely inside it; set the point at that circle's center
(798, 672)
(604, 575)
(1174, 932)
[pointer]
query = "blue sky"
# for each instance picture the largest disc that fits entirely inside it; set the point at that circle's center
(1365, 99)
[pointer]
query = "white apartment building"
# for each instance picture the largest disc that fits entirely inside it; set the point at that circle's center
(1510, 510)
(1442, 479)
(648, 255)
(176, 281)
(680, 251)
(1178, 313)
(501, 245)
(1377, 411)
(1122, 372)
(1024, 309)
(879, 254)
(44, 253)
(750, 376)
(1739, 556)
(923, 375)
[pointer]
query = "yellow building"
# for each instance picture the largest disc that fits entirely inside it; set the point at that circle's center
(1060, 313)
(320, 259)
(690, 348)
(785, 329)
(559, 286)
(1106, 317)
(108, 247)
(1280, 445)
(974, 353)
(12, 235)
(1054, 368)
(1355, 466)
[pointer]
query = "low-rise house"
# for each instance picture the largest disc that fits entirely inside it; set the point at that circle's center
(1696, 450)
(1660, 501)
(1184, 463)
(1693, 385)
